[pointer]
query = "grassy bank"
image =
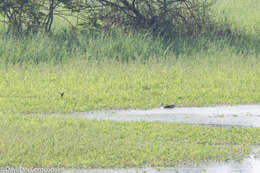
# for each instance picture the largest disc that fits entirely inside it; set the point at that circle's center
(40, 141)
(89, 86)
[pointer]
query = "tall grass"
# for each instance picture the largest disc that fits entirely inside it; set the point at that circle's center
(119, 46)
(235, 27)
(239, 14)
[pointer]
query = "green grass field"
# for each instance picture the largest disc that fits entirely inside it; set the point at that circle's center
(103, 70)
(132, 85)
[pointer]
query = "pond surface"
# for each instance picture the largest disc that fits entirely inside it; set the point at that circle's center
(219, 116)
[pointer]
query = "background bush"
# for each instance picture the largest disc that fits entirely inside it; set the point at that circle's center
(33, 15)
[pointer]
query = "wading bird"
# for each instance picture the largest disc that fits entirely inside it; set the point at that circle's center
(167, 106)
(61, 94)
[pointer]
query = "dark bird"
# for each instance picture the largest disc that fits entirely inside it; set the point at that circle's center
(167, 106)
(61, 94)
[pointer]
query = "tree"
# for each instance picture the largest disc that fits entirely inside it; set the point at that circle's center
(34, 15)
(146, 13)
(28, 15)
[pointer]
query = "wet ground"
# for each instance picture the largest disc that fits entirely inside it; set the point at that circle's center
(220, 116)
(249, 165)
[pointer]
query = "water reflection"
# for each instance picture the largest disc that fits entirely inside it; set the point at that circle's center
(250, 165)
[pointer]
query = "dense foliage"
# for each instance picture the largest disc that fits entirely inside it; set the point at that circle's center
(34, 15)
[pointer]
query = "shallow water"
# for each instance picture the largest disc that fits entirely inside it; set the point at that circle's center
(220, 116)
(249, 165)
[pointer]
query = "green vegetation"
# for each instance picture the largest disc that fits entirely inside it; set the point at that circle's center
(114, 69)
(51, 141)
(115, 85)
(35, 16)
(99, 69)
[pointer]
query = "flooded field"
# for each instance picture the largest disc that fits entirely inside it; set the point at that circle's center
(219, 116)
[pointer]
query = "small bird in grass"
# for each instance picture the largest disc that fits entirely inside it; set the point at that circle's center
(61, 94)
(167, 106)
